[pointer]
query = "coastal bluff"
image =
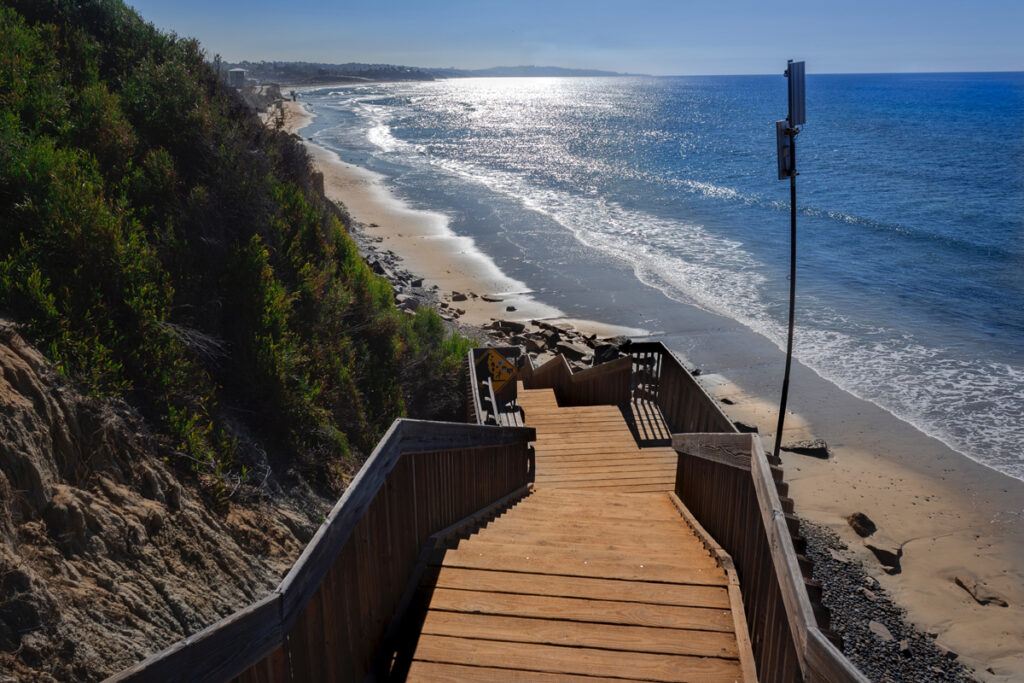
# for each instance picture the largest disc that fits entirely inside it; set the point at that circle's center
(108, 553)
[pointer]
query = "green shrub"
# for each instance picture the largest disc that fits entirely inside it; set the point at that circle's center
(161, 245)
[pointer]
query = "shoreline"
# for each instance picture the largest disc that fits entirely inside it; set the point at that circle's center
(948, 515)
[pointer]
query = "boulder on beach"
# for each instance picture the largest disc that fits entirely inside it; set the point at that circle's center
(887, 552)
(816, 448)
(573, 351)
(508, 326)
(862, 524)
(979, 590)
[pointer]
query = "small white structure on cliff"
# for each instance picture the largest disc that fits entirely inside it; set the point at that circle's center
(236, 78)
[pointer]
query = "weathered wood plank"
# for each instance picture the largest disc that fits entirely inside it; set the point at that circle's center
(546, 564)
(553, 659)
(579, 609)
(625, 477)
(427, 672)
(689, 557)
(683, 595)
(642, 486)
(628, 638)
(609, 539)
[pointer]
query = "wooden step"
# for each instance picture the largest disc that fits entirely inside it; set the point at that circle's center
(579, 609)
(627, 638)
(582, 587)
(559, 563)
(580, 661)
(682, 557)
(427, 672)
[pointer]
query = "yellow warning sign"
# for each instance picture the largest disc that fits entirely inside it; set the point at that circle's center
(499, 368)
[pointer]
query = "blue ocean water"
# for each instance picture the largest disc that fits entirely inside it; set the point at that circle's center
(911, 201)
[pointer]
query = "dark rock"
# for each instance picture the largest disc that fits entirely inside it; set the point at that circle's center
(727, 401)
(904, 646)
(458, 296)
(534, 345)
(572, 351)
(862, 524)
(508, 326)
(491, 299)
(981, 593)
(407, 303)
(816, 448)
(551, 336)
(416, 282)
(510, 308)
(604, 353)
(745, 428)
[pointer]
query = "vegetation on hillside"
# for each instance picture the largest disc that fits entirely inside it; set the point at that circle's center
(161, 245)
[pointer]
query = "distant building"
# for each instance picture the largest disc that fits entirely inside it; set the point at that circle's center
(236, 78)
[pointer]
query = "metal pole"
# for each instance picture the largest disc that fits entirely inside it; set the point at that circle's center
(792, 289)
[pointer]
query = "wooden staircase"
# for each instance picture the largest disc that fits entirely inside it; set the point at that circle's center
(595, 575)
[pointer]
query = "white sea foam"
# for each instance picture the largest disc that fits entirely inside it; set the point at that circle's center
(967, 403)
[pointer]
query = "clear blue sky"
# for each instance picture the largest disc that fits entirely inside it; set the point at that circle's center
(647, 36)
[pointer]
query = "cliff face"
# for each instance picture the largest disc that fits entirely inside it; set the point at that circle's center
(104, 556)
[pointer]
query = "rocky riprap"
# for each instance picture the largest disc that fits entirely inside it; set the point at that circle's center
(876, 635)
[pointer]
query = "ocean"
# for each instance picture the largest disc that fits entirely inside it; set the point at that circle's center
(608, 195)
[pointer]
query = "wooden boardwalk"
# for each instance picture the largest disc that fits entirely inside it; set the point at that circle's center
(595, 575)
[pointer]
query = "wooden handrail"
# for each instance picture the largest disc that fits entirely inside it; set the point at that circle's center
(726, 482)
(271, 632)
(605, 384)
(686, 405)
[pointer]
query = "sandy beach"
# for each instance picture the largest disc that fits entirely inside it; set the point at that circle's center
(946, 515)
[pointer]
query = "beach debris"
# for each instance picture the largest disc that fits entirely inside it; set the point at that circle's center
(745, 428)
(610, 348)
(406, 302)
(508, 326)
(491, 299)
(727, 401)
(816, 448)
(572, 350)
(880, 631)
(458, 296)
(862, 524)
(534, 345)
(836, 555)
(979, 590)
(887, 553)
(869, 594)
